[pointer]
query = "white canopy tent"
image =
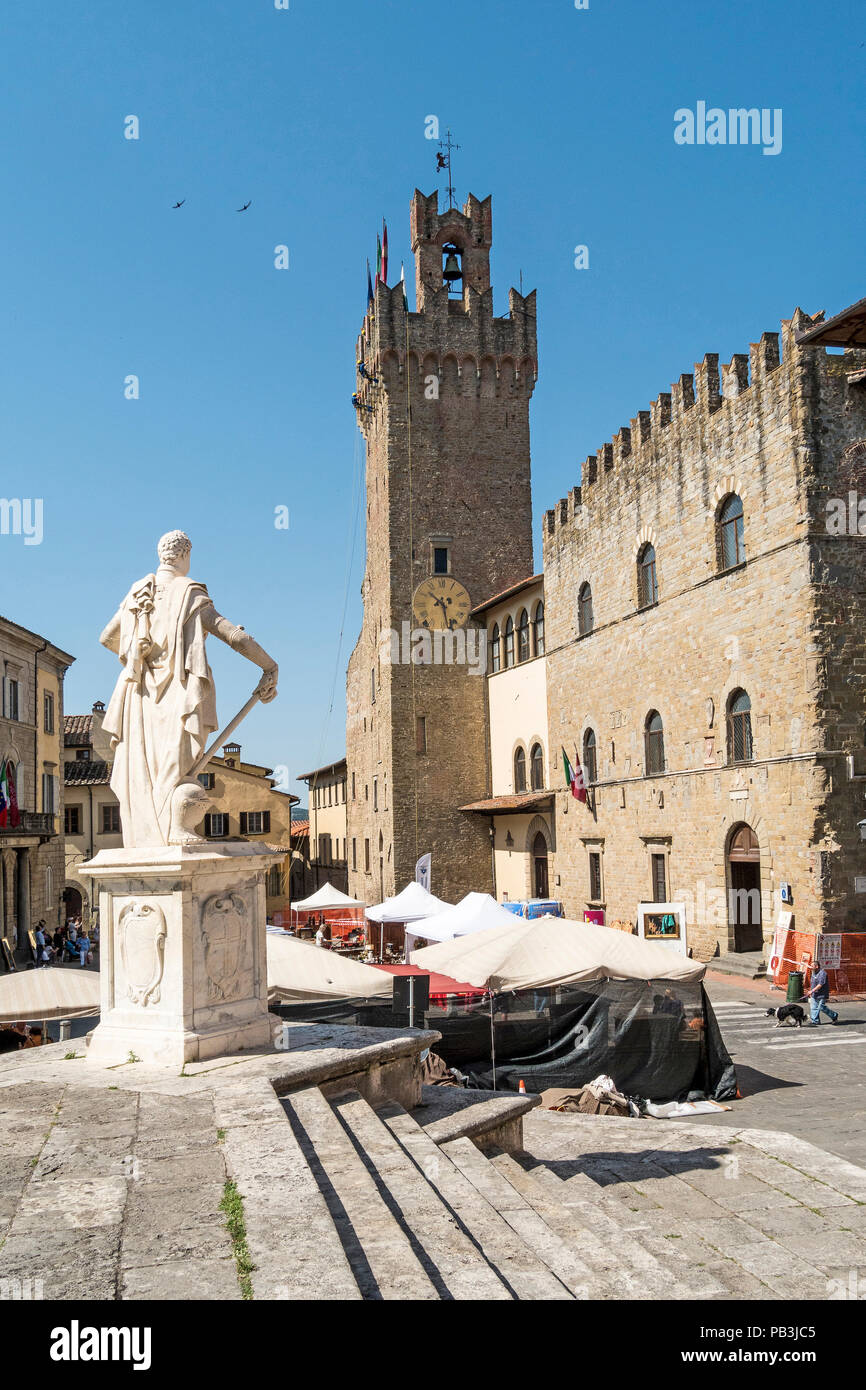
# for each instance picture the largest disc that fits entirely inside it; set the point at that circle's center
(325, 897)
(550, 951)
(409, 905)
(301, 973)
(50, 992)
(413, 904)
(477, 912)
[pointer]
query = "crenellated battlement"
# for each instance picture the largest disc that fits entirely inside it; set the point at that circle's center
(448, 346)
(706, 408)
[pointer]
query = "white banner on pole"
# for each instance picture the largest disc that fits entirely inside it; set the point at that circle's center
(422, 871)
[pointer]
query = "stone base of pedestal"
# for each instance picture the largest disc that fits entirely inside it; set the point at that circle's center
(183, 967)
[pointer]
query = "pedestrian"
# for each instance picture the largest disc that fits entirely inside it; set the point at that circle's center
(57, 942)
(320, 933)
(83, 944)
(818, 996)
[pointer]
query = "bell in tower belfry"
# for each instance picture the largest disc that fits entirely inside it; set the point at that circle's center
(451, 271)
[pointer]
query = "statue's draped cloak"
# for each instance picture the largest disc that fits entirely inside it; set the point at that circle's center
(164, 706)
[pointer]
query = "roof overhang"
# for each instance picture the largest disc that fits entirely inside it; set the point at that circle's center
(847, 329)
(511, 805)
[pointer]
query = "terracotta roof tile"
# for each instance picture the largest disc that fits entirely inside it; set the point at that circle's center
(84, 773)
(77, 728)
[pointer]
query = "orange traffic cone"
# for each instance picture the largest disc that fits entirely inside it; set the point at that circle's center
(522, 1088)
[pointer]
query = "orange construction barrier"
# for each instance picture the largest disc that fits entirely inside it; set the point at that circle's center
(843, 956)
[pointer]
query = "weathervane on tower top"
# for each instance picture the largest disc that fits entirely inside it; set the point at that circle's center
(443, 161)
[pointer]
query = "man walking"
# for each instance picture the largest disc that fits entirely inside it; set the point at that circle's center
(818, 996)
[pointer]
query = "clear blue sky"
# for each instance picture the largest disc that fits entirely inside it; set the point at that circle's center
(317, 115)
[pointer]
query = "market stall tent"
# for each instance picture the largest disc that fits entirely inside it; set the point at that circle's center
(549, 951)
(325, 897)
(477, 912)
(50, 992)
(409, 905)
(569, 1001)
(412, 904)
(299, 972)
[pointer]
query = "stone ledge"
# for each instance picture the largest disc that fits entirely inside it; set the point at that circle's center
(447, 1112)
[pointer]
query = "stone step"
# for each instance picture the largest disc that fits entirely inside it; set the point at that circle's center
(453, 1261)
(524, 1274)
(291, 1236)
(450, 1112)
(601, 1234)
(378, 1250)
(748, 965)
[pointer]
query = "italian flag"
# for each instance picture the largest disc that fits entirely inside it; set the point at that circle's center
(4, 796)
(574, 778)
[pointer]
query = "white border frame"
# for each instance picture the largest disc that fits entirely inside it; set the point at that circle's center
(680, 945)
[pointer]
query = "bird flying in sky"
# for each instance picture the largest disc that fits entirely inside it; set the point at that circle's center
(180, 204)
(244, 208)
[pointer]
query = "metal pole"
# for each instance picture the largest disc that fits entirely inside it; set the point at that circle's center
(492, 1041)
(411, 1001)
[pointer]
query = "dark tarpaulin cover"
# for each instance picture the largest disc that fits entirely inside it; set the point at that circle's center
(658, 1040)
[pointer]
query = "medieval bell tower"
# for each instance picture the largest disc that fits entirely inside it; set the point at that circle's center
(443, 402)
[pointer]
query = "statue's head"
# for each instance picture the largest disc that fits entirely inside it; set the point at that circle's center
(173, 550)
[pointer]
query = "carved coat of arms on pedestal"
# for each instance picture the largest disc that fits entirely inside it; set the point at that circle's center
(141, 933)
(224, 930)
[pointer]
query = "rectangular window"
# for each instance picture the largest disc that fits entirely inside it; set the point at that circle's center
(72, 820)
(421, 734)
(216, 824)
(82, 755)
(354, 854)
(440, 559)
(206, 779)
(595, 878)
(255, 822)
(353, 786)
(13, 691)
(659, 876)
(48, 712)
(48, 793)
(367, 855)
(375, 793)
(110, 820)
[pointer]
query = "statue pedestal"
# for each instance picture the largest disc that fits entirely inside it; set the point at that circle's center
(183, 961)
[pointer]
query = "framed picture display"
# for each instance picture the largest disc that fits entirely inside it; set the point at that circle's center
(664, 922)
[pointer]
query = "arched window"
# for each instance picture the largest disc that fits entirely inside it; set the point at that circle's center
(495, 649)
(523, 636)
(536, 767)
(739, 728)
(539, 856)
(647, 580)
(509, 641)
(654, 739)
(538, 629)
(732, 549)
(584, 610)
(590, 763)
(520, 770)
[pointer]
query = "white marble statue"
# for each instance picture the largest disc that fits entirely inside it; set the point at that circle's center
(164, 707)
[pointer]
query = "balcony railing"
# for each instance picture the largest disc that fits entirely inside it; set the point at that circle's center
(30, 823)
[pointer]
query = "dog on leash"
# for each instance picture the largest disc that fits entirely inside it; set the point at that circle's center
(788, 1016)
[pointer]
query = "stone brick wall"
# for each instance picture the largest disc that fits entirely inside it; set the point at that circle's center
(447, 464)
(786, 627)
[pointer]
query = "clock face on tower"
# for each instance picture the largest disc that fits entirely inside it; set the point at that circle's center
(441, 602)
